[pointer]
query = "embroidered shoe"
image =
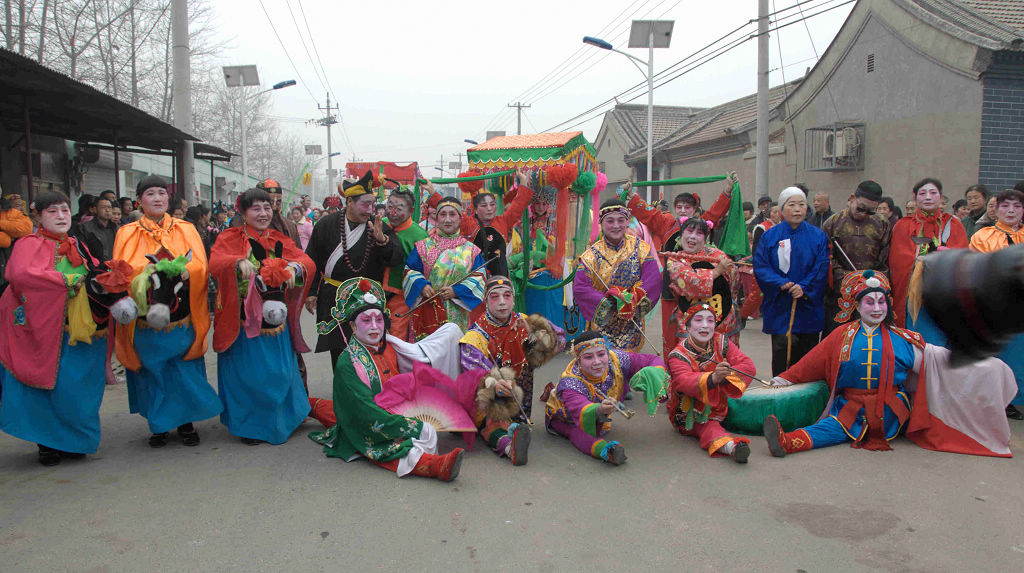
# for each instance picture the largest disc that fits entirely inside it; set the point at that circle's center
(774, 436)
(520, 444)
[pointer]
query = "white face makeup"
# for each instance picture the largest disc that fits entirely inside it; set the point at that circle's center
(928, 197)
(448, 219)
(154, 202)
(692, 240)
(368, 327)
(873, 308)
(594, 362)
(702, 327)
(500, 302)
(56, 218)
(614, 226)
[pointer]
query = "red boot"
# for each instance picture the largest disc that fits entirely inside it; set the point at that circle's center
(781, 443)
(322, 411)
(444, 468)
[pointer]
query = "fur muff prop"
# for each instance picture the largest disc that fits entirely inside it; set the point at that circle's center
(489, 403)
(542, 345)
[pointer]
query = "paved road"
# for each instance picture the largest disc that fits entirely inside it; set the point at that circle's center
(224, 506)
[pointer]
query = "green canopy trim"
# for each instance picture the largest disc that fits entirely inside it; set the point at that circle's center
(483, 177)
(681, 181)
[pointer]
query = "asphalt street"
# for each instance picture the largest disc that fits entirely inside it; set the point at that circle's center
(225, 506)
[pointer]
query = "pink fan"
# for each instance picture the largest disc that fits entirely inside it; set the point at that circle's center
(436, 408)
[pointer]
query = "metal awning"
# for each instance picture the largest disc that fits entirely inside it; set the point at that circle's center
(59, 106)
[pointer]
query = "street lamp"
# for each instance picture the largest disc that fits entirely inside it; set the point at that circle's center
(470, 141)
(242, 76)
(648, 34)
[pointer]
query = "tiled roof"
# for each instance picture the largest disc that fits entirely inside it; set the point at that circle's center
(716, 122)
(631, 120)
(992, 24)
(553, 139)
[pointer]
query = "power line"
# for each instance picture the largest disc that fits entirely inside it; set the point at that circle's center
(309, 56)
(315, 51)
(718, 52)
(287, 55)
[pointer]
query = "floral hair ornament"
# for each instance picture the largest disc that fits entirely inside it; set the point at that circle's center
(695, 308)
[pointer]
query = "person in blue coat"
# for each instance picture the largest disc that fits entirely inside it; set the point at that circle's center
(791, 267)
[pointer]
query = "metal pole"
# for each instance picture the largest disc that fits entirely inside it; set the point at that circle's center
(330, 164)
(245, 156)
(213, 187)
(28, 153)
(650, 112)
(761, 179)
(182, 94)
(117, 169)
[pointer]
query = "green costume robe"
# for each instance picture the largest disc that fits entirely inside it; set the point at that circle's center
(363, 427)
(408, 234)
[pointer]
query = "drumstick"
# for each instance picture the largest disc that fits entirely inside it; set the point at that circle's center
(627, 413)
(438, 293)
(741, 373)
(643, 336)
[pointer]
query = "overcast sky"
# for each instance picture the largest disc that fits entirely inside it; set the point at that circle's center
(415, 79)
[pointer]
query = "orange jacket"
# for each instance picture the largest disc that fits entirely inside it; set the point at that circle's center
(13, 225)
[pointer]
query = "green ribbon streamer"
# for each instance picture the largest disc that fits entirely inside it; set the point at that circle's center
(288, 201)
(561, 284)
(484, 177)
(681, 181)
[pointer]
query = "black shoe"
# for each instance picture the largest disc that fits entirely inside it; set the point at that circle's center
(251, 441)
(772, 434)
(1013, 413)
(158, 440)
(48, 456)
(617, 455)
(189, 435)
(741, 453)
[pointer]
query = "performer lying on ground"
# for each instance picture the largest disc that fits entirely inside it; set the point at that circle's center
(703, 383)
(591, 387)
(868, 364)
(509, 345)
(357, 426)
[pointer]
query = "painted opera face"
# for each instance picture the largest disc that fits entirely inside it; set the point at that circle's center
(594, 362)
(873, 308)
(368, 327)
(500, 303)
(702, 327)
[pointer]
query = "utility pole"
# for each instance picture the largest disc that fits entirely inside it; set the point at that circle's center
(182, 94)
(519, 116)
(460, 155)
(761, 178)
(327, 121)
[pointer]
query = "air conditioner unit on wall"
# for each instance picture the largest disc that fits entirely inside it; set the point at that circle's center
(841, 143)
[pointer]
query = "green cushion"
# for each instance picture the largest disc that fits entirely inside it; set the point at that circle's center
(795, 406)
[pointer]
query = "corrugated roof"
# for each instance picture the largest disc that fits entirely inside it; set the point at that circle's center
(527, 141)
(62, 107)
(717, 122)
(631, 120)
(992, 24)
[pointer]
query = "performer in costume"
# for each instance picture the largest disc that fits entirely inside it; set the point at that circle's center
(868, 363)
(257, 372)
(508, 345)
(665, 229)
(791, 266)
(435, 265)
(166, 371)
(924, 231)
(698, 272)
(54, 352)
(617, 282)
(399, 206)
(357, 426)
(703, 383)
(279, 223)
(346, 244)
(485, 210)
(580, 406)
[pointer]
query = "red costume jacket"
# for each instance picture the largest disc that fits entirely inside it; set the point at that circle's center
(943, 229)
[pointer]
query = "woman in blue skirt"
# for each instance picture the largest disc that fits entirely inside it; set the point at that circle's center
(260, 289)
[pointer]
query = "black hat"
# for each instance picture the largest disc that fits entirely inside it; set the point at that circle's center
(150, 181)
(869, 190)
(361, 187)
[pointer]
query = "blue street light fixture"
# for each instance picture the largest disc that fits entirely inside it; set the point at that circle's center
(643, 34)
(284, 84)
(470, 141)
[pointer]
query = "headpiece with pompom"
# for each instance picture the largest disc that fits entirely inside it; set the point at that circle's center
(471, 187)
(857, 284)
(353, 297)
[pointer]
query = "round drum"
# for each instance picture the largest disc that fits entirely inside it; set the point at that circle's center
(795, 406)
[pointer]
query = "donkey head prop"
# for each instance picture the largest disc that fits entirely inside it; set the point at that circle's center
(167, 291)
(106, 285)
(270, 282)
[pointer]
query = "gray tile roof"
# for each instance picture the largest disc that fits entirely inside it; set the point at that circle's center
(992, 24)
(631, 121)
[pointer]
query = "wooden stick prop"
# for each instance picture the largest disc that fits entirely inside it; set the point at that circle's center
(627, 413)
(853, 267)
(789, 335)
(643, 335)
(438, 293)
(742, 373)
(529, 422)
